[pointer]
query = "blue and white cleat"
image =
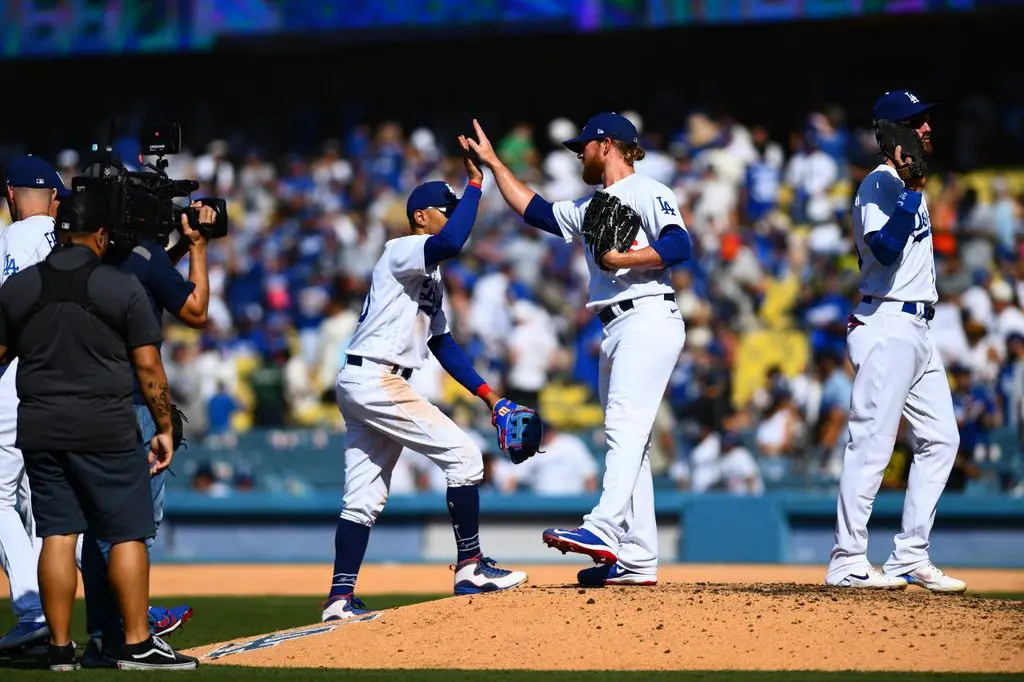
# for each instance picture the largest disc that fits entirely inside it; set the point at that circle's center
(613, 574)
(25, 635)
(164, 621)
(581, 541)
(932, 579)
(481, 574)
(343, 607)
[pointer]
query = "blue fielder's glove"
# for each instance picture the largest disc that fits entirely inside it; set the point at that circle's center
(519, 430)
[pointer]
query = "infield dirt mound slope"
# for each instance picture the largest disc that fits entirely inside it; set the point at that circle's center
(670, 627)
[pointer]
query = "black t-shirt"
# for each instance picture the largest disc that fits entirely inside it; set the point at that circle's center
(74, 367)
(164, 285)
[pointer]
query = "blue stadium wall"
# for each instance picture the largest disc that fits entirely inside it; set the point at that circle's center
(792, 527)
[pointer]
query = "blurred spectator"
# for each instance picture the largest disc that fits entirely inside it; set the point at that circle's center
(220, 409)
(976, 415)
(738, 470)
(532, 352)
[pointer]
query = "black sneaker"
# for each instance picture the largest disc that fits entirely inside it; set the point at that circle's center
(96, 656)
(154, 654)
(63, 658)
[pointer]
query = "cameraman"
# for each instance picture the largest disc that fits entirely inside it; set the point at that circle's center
(79, 328)
(188, 300)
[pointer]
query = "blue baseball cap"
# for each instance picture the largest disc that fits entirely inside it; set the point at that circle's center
(607, 124)
(899, 105)
(435, 194)
(35, 172)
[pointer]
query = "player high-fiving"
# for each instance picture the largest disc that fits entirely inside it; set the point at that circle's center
(402, 319)
(643, 335)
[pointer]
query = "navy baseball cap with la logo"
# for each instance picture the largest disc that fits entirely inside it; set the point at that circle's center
(32, 171)
(899, 105)
(608, 124)
(435, 194)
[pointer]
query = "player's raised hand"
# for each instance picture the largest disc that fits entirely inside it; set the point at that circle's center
(481, 146)
(468, 156)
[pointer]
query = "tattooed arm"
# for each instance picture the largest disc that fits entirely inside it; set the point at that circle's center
(149, 368)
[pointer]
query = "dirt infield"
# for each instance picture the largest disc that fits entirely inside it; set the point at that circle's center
(313, 579)
(760, 626)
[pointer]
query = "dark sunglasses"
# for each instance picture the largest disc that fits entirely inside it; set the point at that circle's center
(916, 121)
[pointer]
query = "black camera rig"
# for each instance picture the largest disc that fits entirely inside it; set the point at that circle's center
(142, 203)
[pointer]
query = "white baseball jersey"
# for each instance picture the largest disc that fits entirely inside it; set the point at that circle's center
(657, 207)
(402, 310)
(22, 245)
(911, 278)
(25, 243)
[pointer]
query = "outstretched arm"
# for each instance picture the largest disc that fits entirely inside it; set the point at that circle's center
(520, 198)
(454, 361)
(449, 241)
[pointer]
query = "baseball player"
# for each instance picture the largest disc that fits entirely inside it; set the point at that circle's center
(899, 369)
(641, 341)
(32, 188)
(401, 320)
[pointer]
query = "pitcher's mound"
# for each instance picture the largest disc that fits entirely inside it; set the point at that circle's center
(671, 627)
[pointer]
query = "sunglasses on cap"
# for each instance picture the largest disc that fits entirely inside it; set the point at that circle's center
(447, 209)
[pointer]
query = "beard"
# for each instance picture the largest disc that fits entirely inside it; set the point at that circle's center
(926, 142)
(592, 172)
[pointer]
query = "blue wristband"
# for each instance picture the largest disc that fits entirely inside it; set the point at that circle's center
(909, 201)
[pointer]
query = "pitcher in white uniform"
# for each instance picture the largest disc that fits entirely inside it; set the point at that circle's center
(402, 319)
(899, 371)
(643, 336)
(33, 188)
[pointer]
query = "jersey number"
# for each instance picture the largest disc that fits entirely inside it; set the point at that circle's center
(430, 297)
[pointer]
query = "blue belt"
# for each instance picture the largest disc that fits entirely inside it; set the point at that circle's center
(909, 308)
(357, 361)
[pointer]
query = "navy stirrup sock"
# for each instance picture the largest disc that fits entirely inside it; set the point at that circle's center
(464, 508)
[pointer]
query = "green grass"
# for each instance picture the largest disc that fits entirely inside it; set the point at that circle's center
(222, 618)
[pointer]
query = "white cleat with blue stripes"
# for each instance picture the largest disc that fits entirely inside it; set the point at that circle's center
(481, 574)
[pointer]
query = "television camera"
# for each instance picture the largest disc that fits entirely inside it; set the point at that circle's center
(144, 202)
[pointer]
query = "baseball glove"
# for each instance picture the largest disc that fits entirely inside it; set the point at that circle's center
(519, 430)
(177, 426)
(608, 225)
(891, 135)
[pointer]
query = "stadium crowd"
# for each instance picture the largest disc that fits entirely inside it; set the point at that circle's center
(771, 223)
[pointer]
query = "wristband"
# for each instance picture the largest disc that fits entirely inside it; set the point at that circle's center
(474, 183)
(483, 390)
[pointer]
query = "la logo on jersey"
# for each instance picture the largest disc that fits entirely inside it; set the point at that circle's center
(666, 207)
(10, 266)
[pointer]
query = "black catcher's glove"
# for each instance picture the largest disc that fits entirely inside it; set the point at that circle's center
(891, 135)
(608, 225)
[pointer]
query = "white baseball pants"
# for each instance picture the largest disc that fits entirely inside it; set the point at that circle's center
(19, 547)
(383, 414)
(639, 351)
(899, 372)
